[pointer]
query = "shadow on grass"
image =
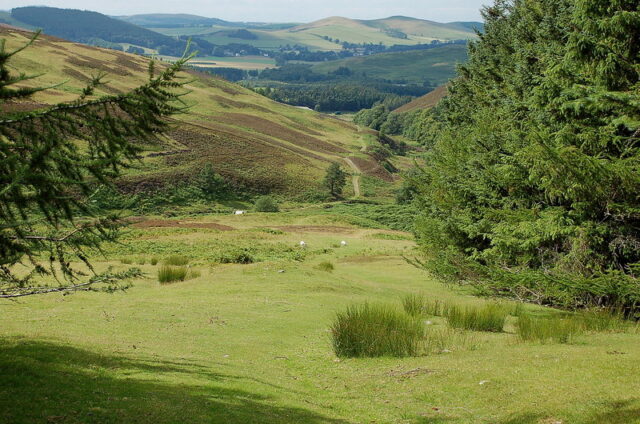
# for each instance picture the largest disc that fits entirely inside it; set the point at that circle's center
(620, 412)
(45, 382)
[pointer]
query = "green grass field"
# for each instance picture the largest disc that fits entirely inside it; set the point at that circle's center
(250, 343)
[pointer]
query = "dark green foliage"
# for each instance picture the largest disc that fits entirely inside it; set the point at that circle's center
(395, 217)
(266, 204)
(51, 160)
(212, 184)
(325, 266)
(83, 25)
(532, 183)
(335, 180)
(375, 330)
(237, 256)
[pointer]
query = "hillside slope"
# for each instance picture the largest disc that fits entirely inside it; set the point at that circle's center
(249, 139)
(438, 64)
(427, 101)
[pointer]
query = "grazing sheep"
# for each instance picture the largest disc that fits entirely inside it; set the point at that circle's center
(240, 212)
(303, 244)
(343, 243)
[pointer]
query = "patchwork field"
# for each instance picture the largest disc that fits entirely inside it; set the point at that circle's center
(314, 35)
(250, 343)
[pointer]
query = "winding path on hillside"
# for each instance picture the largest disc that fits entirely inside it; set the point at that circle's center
(355, 177)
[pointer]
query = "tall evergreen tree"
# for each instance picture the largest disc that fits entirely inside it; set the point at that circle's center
(335, 179)
(533, 181)
(50, 160)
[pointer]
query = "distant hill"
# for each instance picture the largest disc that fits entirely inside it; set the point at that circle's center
(166, 20)
(329, 34)
(437, 65)
(83, 26)
(252, 141)
(427, 101)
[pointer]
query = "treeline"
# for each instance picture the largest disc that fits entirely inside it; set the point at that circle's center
(349, 97)
(415, 125)
(301, 53)
(530, 189)
(340, 90)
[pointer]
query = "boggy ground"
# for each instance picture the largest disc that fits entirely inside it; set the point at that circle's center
(250, 343)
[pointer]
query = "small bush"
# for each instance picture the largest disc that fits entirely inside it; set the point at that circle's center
(170, 274)
(176, 260)
(240, 256)
(154, 261)
(414, 304)
(266, 204)
(490, 317)
(126, 261)
(603, 320)
(375, 330)
(325, 266)
(557, 329)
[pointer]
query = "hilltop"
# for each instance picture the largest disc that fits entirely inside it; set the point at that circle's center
(329, 34)
(252, 141)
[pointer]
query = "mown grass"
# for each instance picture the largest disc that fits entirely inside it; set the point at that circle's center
(248, 343)
(375, 330)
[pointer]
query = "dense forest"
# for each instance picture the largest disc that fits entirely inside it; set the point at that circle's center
(530, 188)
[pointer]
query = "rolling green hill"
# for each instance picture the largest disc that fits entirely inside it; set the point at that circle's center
(252, 141)
(327, 34)
(82, 25)
(436, 65)
(169, 20)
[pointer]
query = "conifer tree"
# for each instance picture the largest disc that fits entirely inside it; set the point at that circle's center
(335, 179)
(50, 161)
(532, 184)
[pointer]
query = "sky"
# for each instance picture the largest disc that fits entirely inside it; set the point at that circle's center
(277, 10)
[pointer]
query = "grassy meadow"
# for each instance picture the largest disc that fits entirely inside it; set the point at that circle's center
(245, 337)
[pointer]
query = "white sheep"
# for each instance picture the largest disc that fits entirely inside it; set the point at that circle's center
(343, 243)
(240, 212)
(303, 244)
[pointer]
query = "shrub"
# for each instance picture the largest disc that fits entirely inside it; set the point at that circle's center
(126, 261)
(325, 266)
(414, 304)
(176, 260)
(375, 330)
(240, 256)
(603, 320)
(266, 204)
(490, 317)
(170, 274)
(558, 329)
(154, 261)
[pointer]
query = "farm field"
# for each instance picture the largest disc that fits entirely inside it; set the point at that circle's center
(244, 62)
(239, 343)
